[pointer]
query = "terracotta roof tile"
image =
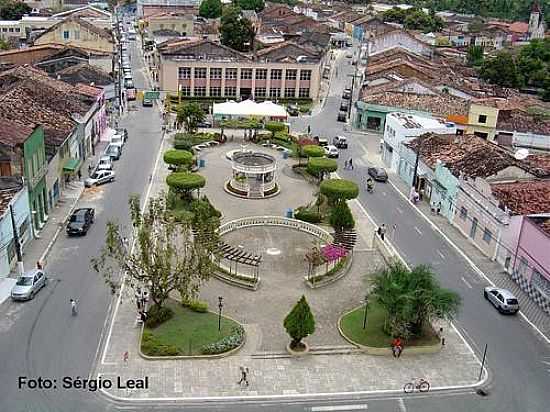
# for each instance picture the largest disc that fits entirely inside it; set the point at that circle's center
(524, 198)
(521, 121)
(13, 134)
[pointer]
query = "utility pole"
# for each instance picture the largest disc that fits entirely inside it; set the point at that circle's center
(17, 243)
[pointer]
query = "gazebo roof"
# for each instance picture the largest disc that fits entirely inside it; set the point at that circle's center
(250, 108)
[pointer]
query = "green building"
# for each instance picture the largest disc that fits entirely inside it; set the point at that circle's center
(22, 153)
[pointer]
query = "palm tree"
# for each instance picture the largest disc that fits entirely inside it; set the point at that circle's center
(412, 299)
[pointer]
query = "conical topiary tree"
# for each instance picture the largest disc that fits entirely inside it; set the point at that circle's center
(299, 323)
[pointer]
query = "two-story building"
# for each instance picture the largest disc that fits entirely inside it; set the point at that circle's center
(208, 69)
(22, 153)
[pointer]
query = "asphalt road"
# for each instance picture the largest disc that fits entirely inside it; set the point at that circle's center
(517, 357)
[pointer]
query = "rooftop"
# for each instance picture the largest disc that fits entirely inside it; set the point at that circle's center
(411, 121)
(9, 187)
(103, 33)
(524, 198)
(518, 120)
(13, 134)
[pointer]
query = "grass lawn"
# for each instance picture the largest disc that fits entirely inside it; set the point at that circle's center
(189, 331)
(373, 335)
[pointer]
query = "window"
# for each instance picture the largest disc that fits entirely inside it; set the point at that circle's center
(303, 92)
(185, 90)
(17, 30)
(275, 92)
(463, 213)
(215, 91)
(246, 74)
(11, 30)
(291, 74)
(482, 118)
(199, 91)
(230, 74)
(184, 72)
(305, 74)
(290, 92)
(473, 228)
(200, 72)
(276, 74)
(261, 74)
(77, 35)
(230, 91)
(66, 35)
(216, 73)
(260, 92)
(487, 235)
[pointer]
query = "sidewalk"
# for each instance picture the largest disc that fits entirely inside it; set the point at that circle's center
(494, 271)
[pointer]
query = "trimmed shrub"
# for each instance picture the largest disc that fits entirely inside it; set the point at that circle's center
(318, 166)
(341, 217)
(158, 315)
(275, 127)
(309, 216)
(299, 323)
(311, 150)
(151, 347)
(183, 182)
(339, 189)
(196, 306)
(231, 341)
(178, 158)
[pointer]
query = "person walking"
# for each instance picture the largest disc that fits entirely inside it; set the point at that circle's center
(345, 164)
(125, 356)
(73, 307)
(90, 169)
(350, 163)
(382, 231)
(244, 376)
(397, 347)
(79, 174)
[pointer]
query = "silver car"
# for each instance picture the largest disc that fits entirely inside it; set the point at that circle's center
(28, 285)
(502, 299)
(99, 177)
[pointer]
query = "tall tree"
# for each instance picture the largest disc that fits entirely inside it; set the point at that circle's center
(501, 70)
(168, 256)
(211, 9)
(256, 5)
(474, 55)
(190, 114)
(299, 323)
(236, 31)
(13, 10)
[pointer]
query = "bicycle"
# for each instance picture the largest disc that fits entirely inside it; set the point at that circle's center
(419, 384)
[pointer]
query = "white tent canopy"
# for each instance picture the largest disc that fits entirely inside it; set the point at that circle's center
(249, 108)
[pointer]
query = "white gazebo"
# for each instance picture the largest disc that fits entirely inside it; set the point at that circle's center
(249, 109)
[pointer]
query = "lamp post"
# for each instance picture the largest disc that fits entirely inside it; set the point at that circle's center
(220, 307)
(366, 307)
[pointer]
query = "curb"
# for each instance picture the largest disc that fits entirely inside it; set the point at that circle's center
(60, 227)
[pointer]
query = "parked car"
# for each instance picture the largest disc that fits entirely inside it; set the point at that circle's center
(123, 132)
(344, 106)
(29, 284)
(128, 84)
(342, 117)
(205, 124)
(331, 151)
(80, 221)
(113, 151)
(378, 173)
(105, 163)
(293, 110)
(346, 94)
(118, 140)
(99, 177)
(502, 299)
(322, 141)
(341, 142)
(147, 102)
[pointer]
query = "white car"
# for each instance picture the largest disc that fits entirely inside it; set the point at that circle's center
(117, 140)
(99, 177)
(29, 284)
(331, 151)
(105, 163)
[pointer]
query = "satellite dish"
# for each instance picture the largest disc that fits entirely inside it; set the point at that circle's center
(521, 154)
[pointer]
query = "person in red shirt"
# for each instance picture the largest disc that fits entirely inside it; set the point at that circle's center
(397, 347)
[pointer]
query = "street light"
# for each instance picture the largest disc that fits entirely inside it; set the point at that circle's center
(220, 307)
(366, 307)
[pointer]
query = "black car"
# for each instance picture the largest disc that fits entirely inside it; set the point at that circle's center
(377, 173)
(147, 102)
(346, 94)
(293, 110)
(344, 106)
(342, 117)
(80, 221)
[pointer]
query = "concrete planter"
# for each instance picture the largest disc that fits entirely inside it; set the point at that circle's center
(296, 353)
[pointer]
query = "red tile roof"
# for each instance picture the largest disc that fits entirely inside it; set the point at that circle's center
(88, 90)
(519, 27)
(13, 134)
(524, 198)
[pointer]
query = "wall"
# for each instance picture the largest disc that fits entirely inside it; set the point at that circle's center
(54, 180)
(447, 197)
(474, 125)
(78, 36)
(179, 24)
(534, 245)
(20, 204)
(398, 38)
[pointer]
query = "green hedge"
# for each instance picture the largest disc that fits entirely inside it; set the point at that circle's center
(339, 189)
(185, 181)
(309, 216)
(157, 315)
(341, 217)
(311, 150)
(317, 166)
(196, 306)
(226, 344)
(151, 347)
(178, 157)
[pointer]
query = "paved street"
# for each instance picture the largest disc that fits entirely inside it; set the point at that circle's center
(39, 338)
(516, 354)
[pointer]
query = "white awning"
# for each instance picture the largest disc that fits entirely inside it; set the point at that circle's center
(249, 108)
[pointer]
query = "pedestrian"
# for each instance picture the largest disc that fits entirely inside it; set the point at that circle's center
(39, 265)
(350, 163)
(143, 316)
(397, 347)
(308, 129)
(90, 168)
(345, 164)
(79, 174)
(441, 337)
(394, 229)
(382, 231)
(126, 356)
(244, 376)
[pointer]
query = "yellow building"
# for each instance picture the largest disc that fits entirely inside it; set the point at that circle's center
(181, 23)
(482, 121)
(75, 31)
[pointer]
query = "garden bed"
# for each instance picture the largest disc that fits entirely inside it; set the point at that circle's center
(190, 333)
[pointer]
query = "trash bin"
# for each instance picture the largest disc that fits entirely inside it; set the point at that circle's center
(289, 213)
(202, 163)
(285, 155)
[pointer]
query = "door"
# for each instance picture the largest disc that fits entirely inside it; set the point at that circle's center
(473, 229)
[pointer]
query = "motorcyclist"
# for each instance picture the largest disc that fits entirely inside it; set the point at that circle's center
(370, 184)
